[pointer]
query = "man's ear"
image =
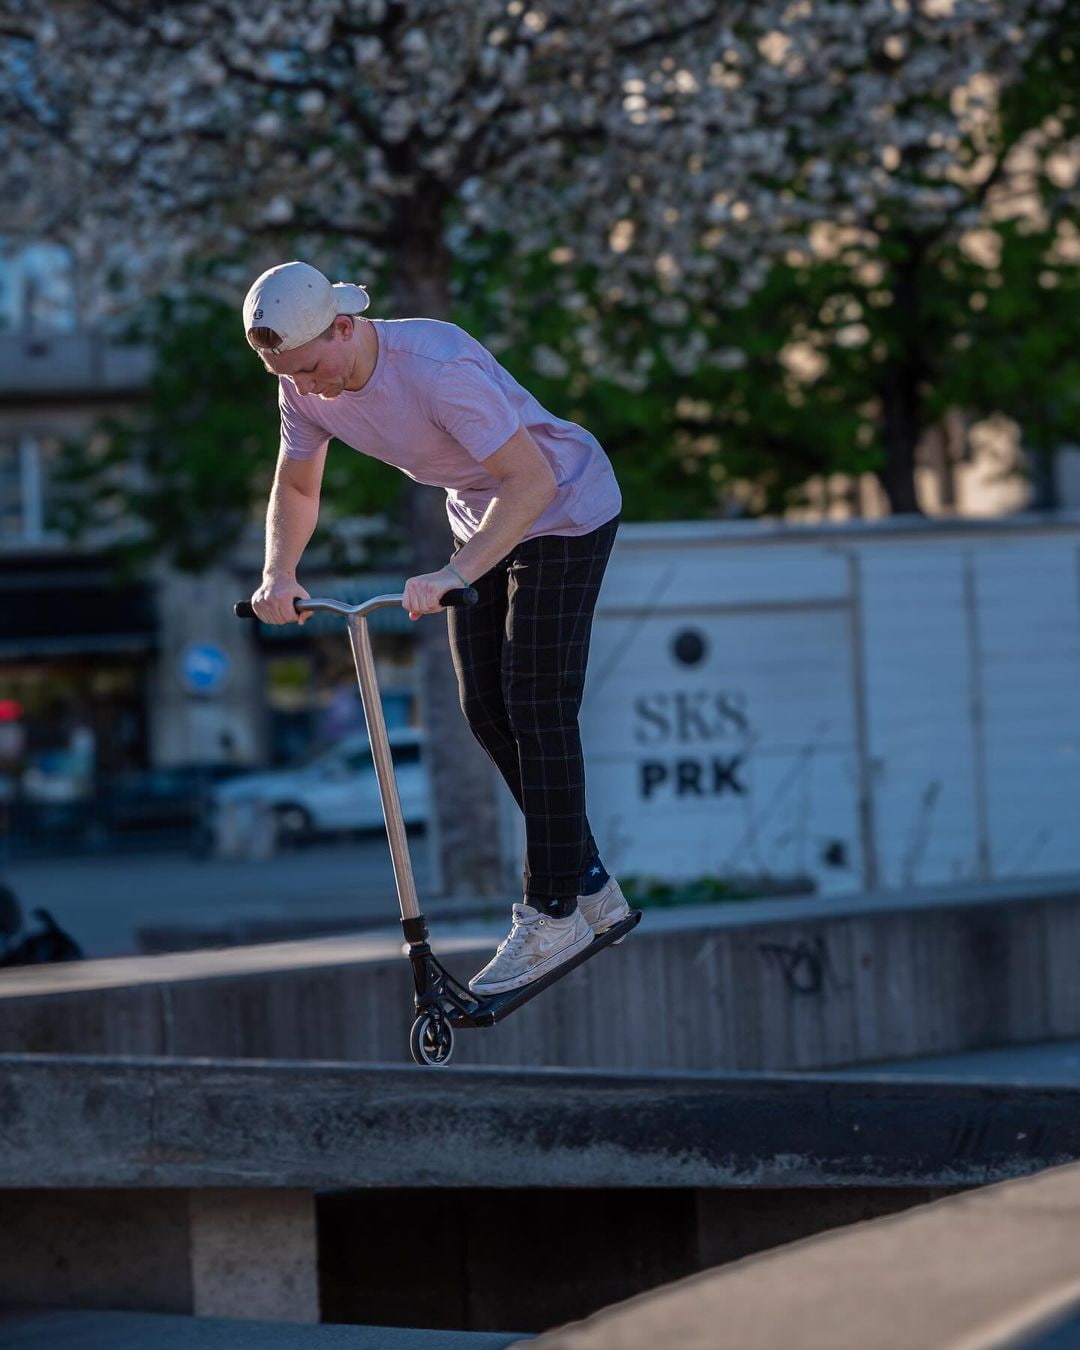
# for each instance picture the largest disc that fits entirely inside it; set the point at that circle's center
(344, 325)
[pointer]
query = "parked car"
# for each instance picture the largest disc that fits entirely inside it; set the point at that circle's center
(334, 788)
(172, 798)
(136, 808)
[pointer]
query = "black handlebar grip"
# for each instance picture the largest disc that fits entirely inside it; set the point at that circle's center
(458, 598)
(243, 610)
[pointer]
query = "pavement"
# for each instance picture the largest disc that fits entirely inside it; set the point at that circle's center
(77, 1330)
(105, 901)
(126, 904)
(1049, 1063)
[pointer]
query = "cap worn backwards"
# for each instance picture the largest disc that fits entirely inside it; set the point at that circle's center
(297, 302)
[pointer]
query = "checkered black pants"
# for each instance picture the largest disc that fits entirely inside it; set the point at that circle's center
(520, 656)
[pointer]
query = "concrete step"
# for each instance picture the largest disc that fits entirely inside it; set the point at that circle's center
(75, 1121)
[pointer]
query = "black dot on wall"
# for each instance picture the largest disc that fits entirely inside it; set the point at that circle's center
(689, 647)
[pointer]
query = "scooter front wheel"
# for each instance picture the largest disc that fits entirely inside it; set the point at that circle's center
(431, 1040)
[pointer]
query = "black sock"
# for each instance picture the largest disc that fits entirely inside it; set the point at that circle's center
(556, 907)
(594, 878)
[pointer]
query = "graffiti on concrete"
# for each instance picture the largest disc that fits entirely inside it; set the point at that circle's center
(805, 965)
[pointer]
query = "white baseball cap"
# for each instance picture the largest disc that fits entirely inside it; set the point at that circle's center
(298, 303)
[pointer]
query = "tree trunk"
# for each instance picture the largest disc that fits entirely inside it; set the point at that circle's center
(1040, 456)
(901, 375)
(464, 833)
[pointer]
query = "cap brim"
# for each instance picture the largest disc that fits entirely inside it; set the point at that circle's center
(350, 299)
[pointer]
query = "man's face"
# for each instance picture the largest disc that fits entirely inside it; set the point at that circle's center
(319, 367)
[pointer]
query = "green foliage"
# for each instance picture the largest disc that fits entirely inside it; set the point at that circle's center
(1048, 89)
(713, 440)
(686, 442)
(182, 477)
(646, 892)
(1023, 356)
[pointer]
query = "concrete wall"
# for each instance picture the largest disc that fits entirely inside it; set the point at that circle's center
(860, 706)
(791, 984)
(435, 1259)
(403, 1196)
(215, 1253)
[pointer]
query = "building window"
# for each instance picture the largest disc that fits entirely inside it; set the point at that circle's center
(37, 289)
(28, 496)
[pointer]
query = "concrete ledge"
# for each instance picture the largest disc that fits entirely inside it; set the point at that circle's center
(778, 985)
(93, 1122)
(994, 1268)
(454, 937)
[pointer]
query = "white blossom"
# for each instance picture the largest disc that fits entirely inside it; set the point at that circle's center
(663, 143)
(267, 124)
(278, 210)
(550, 363)
(311, 102)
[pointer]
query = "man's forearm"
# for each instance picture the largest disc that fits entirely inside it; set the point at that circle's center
(291, 518)
(505, 523)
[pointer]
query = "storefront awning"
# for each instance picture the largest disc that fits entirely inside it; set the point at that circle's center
(87, 644)
(70, 613)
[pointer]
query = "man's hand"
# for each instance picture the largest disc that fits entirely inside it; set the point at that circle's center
(273, 601)
(422, 594)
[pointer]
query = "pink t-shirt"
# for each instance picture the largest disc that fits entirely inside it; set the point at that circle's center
(436, 405)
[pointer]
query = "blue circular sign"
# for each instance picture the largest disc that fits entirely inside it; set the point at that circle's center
(204, 668)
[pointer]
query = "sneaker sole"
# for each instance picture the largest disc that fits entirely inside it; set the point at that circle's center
(553, 962)
(616, 920)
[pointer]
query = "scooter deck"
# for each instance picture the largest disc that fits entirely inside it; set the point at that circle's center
(495, 1007)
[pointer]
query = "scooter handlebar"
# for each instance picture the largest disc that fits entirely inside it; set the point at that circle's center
(454, 599)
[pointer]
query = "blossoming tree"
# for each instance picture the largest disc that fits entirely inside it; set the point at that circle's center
(663, 146)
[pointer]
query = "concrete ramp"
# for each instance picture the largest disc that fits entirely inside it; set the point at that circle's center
(994, 1269)
(74, 1121)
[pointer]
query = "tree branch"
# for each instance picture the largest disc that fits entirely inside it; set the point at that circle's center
(669, 35)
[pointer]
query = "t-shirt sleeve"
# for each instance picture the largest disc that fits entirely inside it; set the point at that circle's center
(472, 407)
(301, 438)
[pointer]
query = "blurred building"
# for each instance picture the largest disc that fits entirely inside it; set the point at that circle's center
(75, 649)
(103, 679)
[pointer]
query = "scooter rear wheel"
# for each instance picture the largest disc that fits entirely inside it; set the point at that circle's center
(431, 1040)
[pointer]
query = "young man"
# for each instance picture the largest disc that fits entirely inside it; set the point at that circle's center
(533, 507)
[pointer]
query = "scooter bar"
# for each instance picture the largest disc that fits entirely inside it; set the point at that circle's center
(360, 641)
(462, 595)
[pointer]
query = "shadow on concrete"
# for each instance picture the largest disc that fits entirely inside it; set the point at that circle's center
(160, 1331)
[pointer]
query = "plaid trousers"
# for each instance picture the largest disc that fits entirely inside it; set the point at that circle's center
(520, 657)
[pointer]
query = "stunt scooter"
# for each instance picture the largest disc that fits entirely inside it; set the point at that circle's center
(443, 1005)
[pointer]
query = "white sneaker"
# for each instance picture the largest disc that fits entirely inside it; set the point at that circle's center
(536, 945)
(605, 909)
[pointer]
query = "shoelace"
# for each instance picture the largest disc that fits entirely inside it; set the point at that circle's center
(521, 930)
